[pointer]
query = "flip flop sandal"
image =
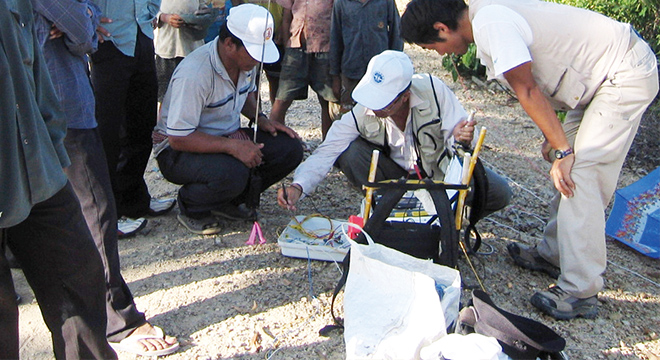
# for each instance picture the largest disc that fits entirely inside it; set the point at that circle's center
(132, 344)
(205, 226)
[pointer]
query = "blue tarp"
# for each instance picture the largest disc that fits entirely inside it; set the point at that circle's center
(635, 216)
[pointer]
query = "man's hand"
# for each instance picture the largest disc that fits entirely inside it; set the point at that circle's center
(293, 194)
(55, 33)
(464, 131)
(273, 127)
(545, 151)
(561, 175)
(174, 20)
(248, 153)
(336, 86)
(101, 31)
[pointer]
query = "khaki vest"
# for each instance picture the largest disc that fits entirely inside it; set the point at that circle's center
(573, 50)
(426, 127)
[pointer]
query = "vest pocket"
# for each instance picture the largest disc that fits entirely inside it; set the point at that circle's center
(569, 88)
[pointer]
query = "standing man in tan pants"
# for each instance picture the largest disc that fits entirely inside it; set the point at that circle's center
(557, 57)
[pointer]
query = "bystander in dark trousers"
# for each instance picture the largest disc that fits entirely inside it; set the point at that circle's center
(213, 180)
(126, 92)
(63, 268)
(88, 174)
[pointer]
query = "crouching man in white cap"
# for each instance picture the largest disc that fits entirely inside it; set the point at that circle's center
(202, 145)
(413, 119)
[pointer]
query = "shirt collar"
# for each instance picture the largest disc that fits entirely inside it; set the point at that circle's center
(216, 62)
(219, 67)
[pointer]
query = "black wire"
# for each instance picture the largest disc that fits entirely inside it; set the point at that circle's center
(506, 90)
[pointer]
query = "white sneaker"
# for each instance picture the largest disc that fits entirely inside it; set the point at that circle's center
(127, 227)
(159, 207)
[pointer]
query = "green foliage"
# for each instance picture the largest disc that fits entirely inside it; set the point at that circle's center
(561, 115)
(464, 65)
(643, 15)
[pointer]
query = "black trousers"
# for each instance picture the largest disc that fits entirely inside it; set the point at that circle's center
(212, 180)
(126, 91)
(88, 174)
(64, 269)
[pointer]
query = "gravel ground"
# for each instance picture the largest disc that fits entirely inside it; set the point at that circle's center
(227, 300)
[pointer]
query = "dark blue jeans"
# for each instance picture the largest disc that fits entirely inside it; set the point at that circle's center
(126, 91)
(63, 267)
(213, 180)
(89, 177)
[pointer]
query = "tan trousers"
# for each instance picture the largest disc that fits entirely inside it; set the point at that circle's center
(601, 134)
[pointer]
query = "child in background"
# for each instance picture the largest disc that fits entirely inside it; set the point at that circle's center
(360, 30)
(173, 38)
(306, 26)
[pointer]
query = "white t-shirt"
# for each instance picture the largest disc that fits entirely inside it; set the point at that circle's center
(502, 35)
(170, 42)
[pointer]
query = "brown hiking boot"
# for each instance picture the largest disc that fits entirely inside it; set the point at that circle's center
(563, 306)
(528, 257)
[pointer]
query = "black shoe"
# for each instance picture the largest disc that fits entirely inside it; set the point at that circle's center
(563, 306)
(236, 213)
(529, 258)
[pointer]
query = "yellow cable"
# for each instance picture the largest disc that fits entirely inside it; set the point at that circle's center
(467, 257)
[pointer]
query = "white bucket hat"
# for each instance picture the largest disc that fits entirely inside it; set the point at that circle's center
(388, 74)
(254, 25)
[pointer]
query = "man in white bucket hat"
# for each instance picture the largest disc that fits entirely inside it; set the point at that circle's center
(201, 143)
(413, 119)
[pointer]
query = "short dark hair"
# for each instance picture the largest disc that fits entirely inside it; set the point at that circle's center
(225, 33)
(420, 15)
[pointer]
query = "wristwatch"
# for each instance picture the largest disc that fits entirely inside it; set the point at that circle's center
(560, 154)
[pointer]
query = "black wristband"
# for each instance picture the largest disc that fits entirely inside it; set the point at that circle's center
(297, 186)
(256, 120)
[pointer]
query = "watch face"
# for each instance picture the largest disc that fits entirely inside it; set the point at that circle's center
(559, 154)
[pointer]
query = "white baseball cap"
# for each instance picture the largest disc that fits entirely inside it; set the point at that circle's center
(388, 74)
(254, 25)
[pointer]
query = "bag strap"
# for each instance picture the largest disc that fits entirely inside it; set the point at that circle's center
(477, 204)
(339, 322)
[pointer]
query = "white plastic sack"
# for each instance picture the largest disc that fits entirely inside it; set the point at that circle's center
(468, 347)
(391, 307)
(454, 174)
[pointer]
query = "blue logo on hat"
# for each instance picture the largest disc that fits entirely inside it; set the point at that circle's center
(378, 77)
